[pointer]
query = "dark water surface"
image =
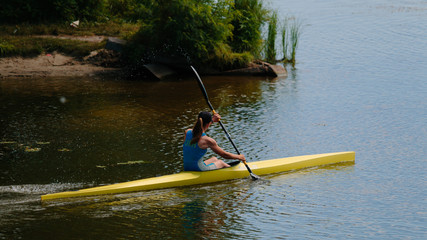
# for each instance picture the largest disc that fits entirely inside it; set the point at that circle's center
(359, 84)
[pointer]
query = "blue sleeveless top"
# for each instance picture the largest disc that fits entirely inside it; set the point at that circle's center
(192, 153)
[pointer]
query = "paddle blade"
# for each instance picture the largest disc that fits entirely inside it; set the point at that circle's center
(254, 176)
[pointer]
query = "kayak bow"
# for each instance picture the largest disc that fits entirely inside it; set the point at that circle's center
(192, 178)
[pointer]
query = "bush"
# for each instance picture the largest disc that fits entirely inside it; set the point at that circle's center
(249, 15)
(185, 27)
(130, 10)
(222, 33)
(225, 59)
(6, 48)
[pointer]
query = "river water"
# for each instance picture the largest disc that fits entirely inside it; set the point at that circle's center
(359, 85)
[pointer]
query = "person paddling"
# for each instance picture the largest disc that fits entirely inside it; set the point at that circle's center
(196, 143)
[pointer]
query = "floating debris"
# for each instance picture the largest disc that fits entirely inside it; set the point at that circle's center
(64, 150)
(99, 166)
(8, 142)
(31, 149)
(63, 99)
(75, 24)
(131, 162)
(42, 143)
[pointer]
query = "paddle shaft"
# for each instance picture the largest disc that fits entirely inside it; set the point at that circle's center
(205, 94)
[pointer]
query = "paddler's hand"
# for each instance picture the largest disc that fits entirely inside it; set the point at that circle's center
(216, 117)
(241, 157)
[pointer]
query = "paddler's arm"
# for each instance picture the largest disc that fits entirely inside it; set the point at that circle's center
(211, 143)
(214, 146)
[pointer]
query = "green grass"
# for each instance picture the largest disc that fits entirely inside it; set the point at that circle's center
(225, 59)
(23, 39)
(27, 46)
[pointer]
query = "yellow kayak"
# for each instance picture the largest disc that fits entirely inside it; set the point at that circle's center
(192, 178)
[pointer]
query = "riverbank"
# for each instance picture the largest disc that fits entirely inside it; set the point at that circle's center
(104, 59)
(58, 64)
(99, 63)
(106, 62)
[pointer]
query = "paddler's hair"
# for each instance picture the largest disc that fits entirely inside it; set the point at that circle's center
(203, 120)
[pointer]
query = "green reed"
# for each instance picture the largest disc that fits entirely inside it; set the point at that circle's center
(291, 32)
(270, 49)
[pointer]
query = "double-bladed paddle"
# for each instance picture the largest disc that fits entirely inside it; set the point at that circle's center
(202, 87)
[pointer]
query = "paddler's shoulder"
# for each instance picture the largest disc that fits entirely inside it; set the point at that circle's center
(208, 140)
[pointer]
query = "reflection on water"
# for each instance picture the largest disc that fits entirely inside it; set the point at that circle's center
(103, 123)
(359, 84)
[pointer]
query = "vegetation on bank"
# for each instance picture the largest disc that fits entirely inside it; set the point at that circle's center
(109, 28)
(270, 46)
(34, 46)
(26, 39)
(223, 34)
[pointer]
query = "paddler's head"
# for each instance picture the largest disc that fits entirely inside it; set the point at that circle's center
(204, 120)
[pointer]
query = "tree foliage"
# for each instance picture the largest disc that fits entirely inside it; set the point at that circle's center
(48, 11)
(196, 28)
(223, 33)
(130, 10)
